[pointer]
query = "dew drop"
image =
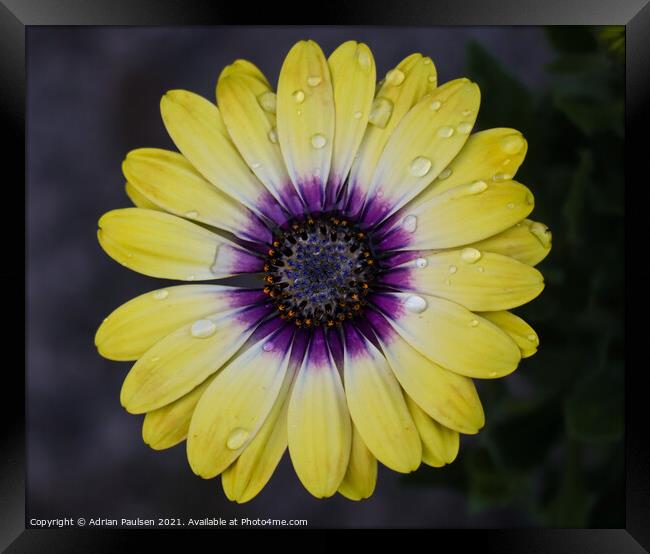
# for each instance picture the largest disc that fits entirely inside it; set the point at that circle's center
(318, 141)
(380, 113)
(492, 374)
(357, 115)
(465, 113)
(445, 132)
(532, 337)
(256, 165)
(445, 173)
(421, 263)
(314, 81)
(268, 101)
(477, 187)
(480, 269)
(268, 346)
(273, 135)
(299, 96)
(420, 166)
(237, 438)
(395, 77)
(473, 323)
(453, 269)
(431, 78)
(410, 223)
(190, 278)
(161, 294)
(435, 105)
(512, 144)
(542, 233)
(415, 304)
(464, 127)
(192, 214)
(203, 328)
(501, 176)
(363, 58)
(510, 205)
(154, 359)
(470, 255)
(426, 61)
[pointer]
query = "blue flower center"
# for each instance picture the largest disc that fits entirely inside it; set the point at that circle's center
(319, 271)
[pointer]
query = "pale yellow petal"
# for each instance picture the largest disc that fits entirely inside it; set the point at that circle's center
(234, 407)
(130, 330)
(361, 476)
(439, 444)
(245, 67)
(527, 241)
(377, 405)
(451, 335)
(522, 333)
(163, 245)
(138, 199)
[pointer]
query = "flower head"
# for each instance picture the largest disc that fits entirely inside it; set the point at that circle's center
(382, 245)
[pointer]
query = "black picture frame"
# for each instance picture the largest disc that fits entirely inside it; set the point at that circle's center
(17, 15)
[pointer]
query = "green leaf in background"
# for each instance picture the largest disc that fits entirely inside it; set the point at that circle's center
(594, 411)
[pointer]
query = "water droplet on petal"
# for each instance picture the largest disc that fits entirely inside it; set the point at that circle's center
(192, 214)
(161, 294)
(318, 141)
(470, 255)
(542, 232)
(453, 269)
(410, 223)
(465, 113)
(473, 323)
(435, 105)
(268, 101)
(380, 113)
(415, 304)
(420, 166)
(532, 337)
(203, 328)
(237, 438)
(363, 58)
(268, 346)
(492, 374)
(421, 263)
(510, 205)
(445, 173)
(273, 135)
(154, 359)
(299, 96)
(357, 115)
(477, 187)
(464, 127)
(445, 132)
(256, 165)
(190, 278)
(512, 144)
(426, 61)
(501, 176)
(395, 77)
(431, 78)
(480, 269)
(314, 81)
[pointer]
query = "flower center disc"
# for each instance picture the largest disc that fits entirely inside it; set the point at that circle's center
(319, 271)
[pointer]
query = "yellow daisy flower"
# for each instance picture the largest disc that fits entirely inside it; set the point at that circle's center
(383, 243)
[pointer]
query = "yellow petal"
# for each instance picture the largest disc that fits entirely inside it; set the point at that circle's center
(134, 327)
(167, 426)
(426, 140)
(196, 127)
(439, 444)
(522, 333)
(361, 476)
(490, 155)
(527, 241)
(138, 199)
(245, 67)
(170, 182)
(248, 110)
(464, 214)
(446, 396)
(163, 245)
(480, 281)
(450, 335)
(377, 406)
(234, 407)
(352, 67)
(319, 423)
(186, 358)
(413, 77)
(306, 120)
